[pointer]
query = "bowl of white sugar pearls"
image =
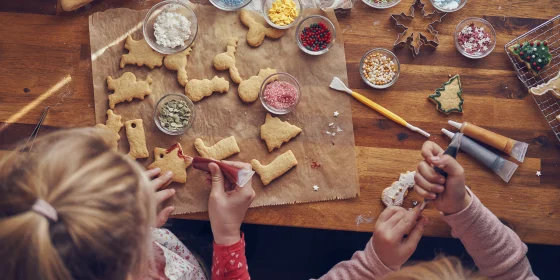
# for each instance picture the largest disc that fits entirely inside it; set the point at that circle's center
(170, 27)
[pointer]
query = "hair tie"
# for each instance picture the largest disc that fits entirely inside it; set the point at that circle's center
(44, 208)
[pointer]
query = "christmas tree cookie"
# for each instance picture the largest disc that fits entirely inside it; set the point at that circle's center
(535, 54)
(448, 98)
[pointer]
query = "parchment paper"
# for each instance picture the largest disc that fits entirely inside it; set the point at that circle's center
(223, 115)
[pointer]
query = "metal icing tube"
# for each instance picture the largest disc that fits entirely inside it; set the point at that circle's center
(503, 167)
(514, 148)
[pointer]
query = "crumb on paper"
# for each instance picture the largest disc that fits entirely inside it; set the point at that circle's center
(315, 188)
(538, 173)
(336, 113)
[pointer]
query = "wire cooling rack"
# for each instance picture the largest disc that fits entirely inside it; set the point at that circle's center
(549, 105)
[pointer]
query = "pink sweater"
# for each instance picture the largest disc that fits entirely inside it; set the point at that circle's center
(496, 249)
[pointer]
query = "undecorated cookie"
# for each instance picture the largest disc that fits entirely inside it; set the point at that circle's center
(140, 53)
(198, 89)
(394, 195)
(178, 62)
(174, 160)
(136, 139)
(553, 85)
(249, 89)
(112, 125)
(226, 61)
(221, 150)
(127, 88)
(448, 98)
(71, 5)
(276, 168)
(257, 29)
(276, 132)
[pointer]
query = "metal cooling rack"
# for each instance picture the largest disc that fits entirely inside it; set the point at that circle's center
(549, 105)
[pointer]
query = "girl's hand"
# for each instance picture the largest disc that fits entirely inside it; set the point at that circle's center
(227, 209)
(453, 197)
(158, 183)
(389, 241)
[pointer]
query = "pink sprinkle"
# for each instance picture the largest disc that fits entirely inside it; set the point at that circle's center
(280, 95)
(474, 40)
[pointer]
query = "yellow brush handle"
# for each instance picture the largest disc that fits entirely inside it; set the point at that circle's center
(379, 108)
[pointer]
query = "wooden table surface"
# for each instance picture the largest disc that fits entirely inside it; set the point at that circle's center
(39, 51)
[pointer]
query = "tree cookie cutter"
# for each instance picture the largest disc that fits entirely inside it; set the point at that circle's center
(408, 39)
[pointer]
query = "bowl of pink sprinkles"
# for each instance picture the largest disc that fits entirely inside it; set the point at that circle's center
(280, 93)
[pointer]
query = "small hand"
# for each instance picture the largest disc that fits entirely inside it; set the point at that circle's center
(156, 184)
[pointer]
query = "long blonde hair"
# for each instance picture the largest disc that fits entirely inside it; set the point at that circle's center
(103, 202)
(441, 268)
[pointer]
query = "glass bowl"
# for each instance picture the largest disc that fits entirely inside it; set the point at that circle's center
(280, 77)
(266, 4)
(171, 6)
(388, 54)
(161, 103)
(381, 5)
(441, 7)
(478, 22)
(230, 5)
(306, 22)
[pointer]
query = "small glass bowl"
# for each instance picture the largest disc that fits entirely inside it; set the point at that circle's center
(461, 5)
(225, 6)
(387, 5)
(479, 23)
(266, 4)
(281, 77)
(387, 53)
(311, 20)
(167, 98)
(172, 6)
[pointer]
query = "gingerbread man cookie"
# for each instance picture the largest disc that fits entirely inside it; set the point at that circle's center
(198, 89)
(140, 53)
(258, 28)
(553, 85)
(178, 62)
(226, 61)
(276, 132)
(127, 88)
(276, 168)
(221, 150)
(174, 160)
(394, 195)
(249, 89)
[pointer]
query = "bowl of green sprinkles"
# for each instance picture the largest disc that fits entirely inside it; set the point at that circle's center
(174, 114)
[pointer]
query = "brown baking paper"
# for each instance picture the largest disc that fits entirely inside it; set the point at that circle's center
(223, 115)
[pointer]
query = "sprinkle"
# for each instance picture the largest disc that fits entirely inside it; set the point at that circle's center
(315, 188)
(233, 3)
(316, 37)
(336, 113)
(415, 203)
(338, 129)
(283, 12)
(538, 173)
(379, 69)
(474, 40)
(331, 124)
(280, 95)
(315, 164)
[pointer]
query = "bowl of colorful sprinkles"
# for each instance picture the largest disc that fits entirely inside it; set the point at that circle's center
(315, 35)
(448, 6)
(475, 38)
(380, 68)
(174, 114)
(230, 5)
(281, 14)
(280, 93)
(381, 4)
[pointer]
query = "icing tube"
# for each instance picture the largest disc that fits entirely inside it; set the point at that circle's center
(516, 149)
(234, 175)
(503, 167)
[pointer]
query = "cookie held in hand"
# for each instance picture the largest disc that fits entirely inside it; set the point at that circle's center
(174, 160)
(276, 168)
(126, 88)
(276, 132)
(394, 195)
(258, 28)
(449, 98)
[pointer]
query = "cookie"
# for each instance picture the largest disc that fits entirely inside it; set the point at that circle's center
(276, 168)
(136, 139)
(276, 132)
(113, 125)
(536, 55)
(178, 62)
(258, 28)
(394, 195)
(221, 150)
(140, 53)
(198, 89)
(226, 61)
(448, 98)
(127, 88)
(174, 160)
(553, 85)
(249, 89)
(71, 5)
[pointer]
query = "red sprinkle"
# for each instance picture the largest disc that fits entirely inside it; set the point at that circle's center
(280, 95)
(545, 43)
(315, 164)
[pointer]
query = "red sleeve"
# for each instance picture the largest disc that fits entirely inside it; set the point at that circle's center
(229, 262)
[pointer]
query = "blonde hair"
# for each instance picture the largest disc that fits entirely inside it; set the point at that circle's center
(441, 268)
(104, 205)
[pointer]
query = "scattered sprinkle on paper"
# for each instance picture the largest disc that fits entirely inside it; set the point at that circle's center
(336, 113)
(415, 203)
(539, 174)
(315, 164)
(331, 124)
(338, 129)
(315, 188)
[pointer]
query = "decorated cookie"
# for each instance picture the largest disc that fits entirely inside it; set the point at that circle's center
(536, 55)
(174, 160)
(249, 89)
(221, 150)
(136, 139)
(553, 85)
(258, 28)
(276, 168)
(127, 88)
(276, 132)
(178, 62)
(448, 98)
(394, 195)
(140, 53)
(198, 89)
(113, 124)
(226, 61)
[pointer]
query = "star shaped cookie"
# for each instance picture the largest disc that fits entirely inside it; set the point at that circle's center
(276, 132)
(172, 160)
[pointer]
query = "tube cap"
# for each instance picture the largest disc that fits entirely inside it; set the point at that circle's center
(455, 124)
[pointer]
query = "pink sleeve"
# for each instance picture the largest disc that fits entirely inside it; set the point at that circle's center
(229, 262)
(496, 249)
(363, 265)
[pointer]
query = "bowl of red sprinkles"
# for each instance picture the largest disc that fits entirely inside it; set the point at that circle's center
(475, 38)
(280, 93)
(315, 35)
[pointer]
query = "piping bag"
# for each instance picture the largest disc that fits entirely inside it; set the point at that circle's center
(514, 148)
(235, 175)
(503, 167)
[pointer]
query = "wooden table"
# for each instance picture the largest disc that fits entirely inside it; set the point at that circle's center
(39, 50)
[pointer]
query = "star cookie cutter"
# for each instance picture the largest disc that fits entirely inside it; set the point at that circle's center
(404, 40)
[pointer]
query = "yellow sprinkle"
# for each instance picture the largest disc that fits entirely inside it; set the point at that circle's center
(283, 12)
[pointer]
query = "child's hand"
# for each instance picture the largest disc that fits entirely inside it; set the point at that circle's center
(391, 227)
(162, 181)
(453, 197)
(227, 209)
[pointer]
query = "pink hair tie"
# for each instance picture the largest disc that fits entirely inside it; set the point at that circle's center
(44, 208)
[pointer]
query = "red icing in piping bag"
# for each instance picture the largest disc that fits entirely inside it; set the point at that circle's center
(234, 175)
(179, 153)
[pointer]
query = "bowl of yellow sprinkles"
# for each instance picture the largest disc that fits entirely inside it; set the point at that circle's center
(281, 14)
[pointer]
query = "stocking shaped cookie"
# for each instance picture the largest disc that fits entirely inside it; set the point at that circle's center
(276, 132)
(127, 88)
(136, 139)
(174, 160)
(178, 62)
(226, 60)
(140, 53)
(257, 28)
(276, 168)
(394, 195)
(112, 125)
(198, 89)
(249, 89)
(221, 150)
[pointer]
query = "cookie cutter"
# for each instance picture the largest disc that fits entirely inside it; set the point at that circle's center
(424, 41)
